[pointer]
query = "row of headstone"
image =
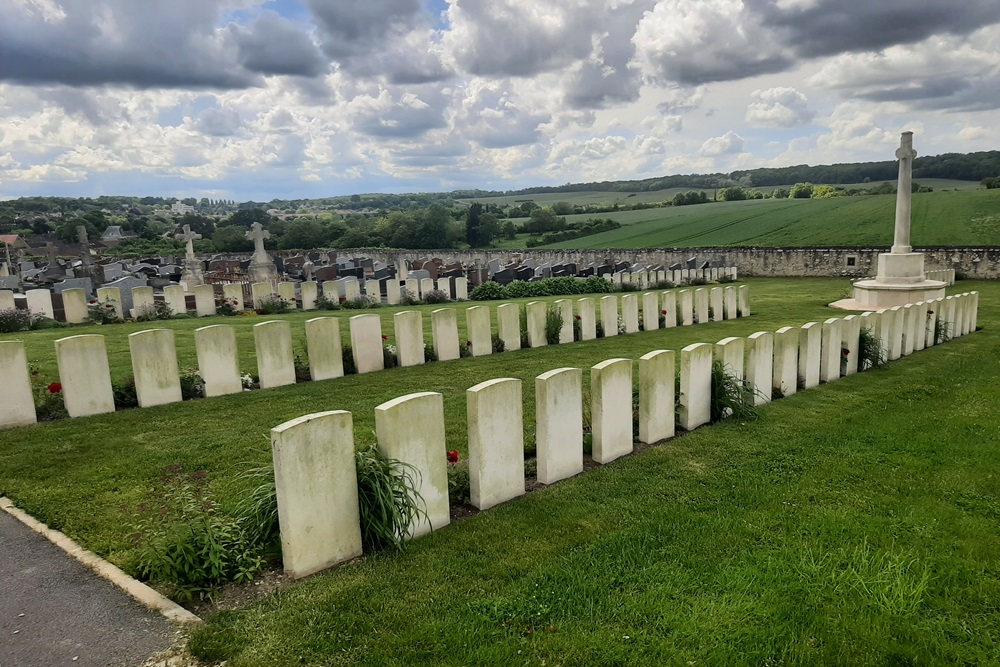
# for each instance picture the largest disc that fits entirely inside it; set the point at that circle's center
(646, 278)
(947, 276)
(85, 375)
(318, 502)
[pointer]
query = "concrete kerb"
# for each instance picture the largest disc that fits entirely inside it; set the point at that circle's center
(139, 591)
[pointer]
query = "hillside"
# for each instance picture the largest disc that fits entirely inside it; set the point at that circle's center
(939, 218)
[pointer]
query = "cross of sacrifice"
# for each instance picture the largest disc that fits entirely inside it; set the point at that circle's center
(189, 237)
(257, 233)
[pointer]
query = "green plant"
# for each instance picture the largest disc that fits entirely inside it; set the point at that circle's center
(158, 310)
(942, 331)
(436, 296)
(258, 510)
(192, 384)
(553, 325)
(347, 354)
(429, 353)
(697, 281)
(323, 302)
(272, 304)
(731, 396)
(390, 354)
(871, 352)
(389, 502)
(360, 303)
(102, 313)
(408, 298)
(577, 328)
(498, 344)
(458, 483)
(726, 279)
(185, 542)
(488, 291)
(124, 393)
(40, 322)
(628, 287)
(228, 307)
(47, 396)
(14, 319)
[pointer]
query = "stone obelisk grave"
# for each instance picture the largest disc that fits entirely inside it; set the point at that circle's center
(900, 278)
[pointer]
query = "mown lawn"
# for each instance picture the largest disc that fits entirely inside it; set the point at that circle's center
(856, 523)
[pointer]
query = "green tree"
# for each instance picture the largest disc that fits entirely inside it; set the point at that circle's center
(472, 222)
(801, 191)
(246, 217)
(231, 239)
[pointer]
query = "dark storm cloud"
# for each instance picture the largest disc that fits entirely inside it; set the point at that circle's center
(273, 45)
(354, 27)
(829, 27)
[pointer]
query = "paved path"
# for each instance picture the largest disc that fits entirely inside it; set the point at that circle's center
(55, 611)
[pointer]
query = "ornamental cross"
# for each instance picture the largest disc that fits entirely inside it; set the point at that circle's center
(52, 253)
(189, 237)
(257, 233)
(81, 235)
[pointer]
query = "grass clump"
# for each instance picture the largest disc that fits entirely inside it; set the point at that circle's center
(553, 325)
(389, 503)
(273, 304)
(871, 352)
(731, 396)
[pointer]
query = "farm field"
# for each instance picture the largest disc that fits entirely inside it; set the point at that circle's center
(938, 218)
(852, 524)
(604, 197)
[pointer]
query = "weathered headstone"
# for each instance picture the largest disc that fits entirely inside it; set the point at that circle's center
(650, 311)
(444, 330)
(656, 396)
(687, 307)
(461, 289)
(275, 361)
(717, 309)
(143, 302)
(895, 318)
(810, 354)
(310, 292)
(696, 386)
(40, 302)
(366, 343)
(174, 297)
(204, 300)
(559, 424)
(536, 311)
(409, 329)
(701, 305)
(411, 429)
(113, 296)
(730, 352)
(17, 406)
(565, 309)
(760, 365)
(668, 308)
(261, 268)
(85, 375)
(496, 441)
(850, 330)
(218, 359)
(743, 301)
(831, 350)
(315, 479)
(392, 292)
(786, 361)
(609, 315)
(154, 367)
(477, 325)
(326, 359)
(588, 318)
(630, 313)
(611, 409)
(7, 299)
(74, 306)
(286, 291)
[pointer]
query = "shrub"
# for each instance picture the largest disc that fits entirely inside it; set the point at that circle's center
(102, 313)
(390, 355)
(726, 279)
(185, 542)
(387, 498)
(429, 353)
(124, 393)
(466, 350)
(272, 304)
(436, 296)
(301, 365)
(871, 352)
(629, 287)
(323, 302)
(347, 354)
(192, 384)
(553, 325)
(488, 291)
(13, 319)
(360, 303)
(498, 344)
(458, 482)
(664, 284)
(228, 307)
(158, 310)
(942, 331)
(697, 281)
(47, 396)
(731, 397)
(40, 322)
(408, 298)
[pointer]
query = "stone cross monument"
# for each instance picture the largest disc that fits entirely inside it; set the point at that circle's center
(262, 268)
(900, 278)
(81, 235)
(192, 275)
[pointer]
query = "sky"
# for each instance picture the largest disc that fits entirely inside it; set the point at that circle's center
(262, 99)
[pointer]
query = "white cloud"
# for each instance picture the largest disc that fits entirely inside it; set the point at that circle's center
(728, 143)
(779, 107)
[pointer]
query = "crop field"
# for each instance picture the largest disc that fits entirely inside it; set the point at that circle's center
(939, 218)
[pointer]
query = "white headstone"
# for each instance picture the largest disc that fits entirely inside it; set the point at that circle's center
(142, 300)
(174, 297)
(565, 309)
(509, 326)
(696, 386)
(218, 359)
(851, 331)
(324, 347)
(759, 372)
(84, 374)
(310, 292)
(609, 315)
(536, 311)
(373, 291)
(315, 478)
(112, 295)
(426, 285)
(830, 350)
(730, 302)
(477, 325)
(409, 328)
(352, 290)
(275, 361)
(461, 289)
(366, 343)
(496, 441)
(730, 353)
(588, 318)
(630, 312)
(656, 396)
(701, 305)
(869, 323)
(17, 405)
(204, 300)
(411, 429)
(444, 330)
(687, 307)
(559, 424)
(6, 299)
(75, 305)
(413, 287)
(717, 310)
(810, 355)
(154, 367)
(894, 317)
(911, 325)
(392, 292)
(668, 309)
(650, 312)
(611, 409)
(261, 292)
(40, 302)
(920, 317)
(786, 361)
(743, 301)
(331, 290)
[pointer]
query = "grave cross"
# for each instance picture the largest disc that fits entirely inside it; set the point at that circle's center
(905, 154)
(189, 237)
(81, 235)
(52, 254)
(257, 233)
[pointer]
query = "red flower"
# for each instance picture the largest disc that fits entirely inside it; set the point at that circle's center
(468, 343)
(663, 312)
(55, 388)
(453, 456)
(844, 351)
(578, 317)
(93, 301)
(235, 302)
(640, 310)
(930, 312)
(384, 337)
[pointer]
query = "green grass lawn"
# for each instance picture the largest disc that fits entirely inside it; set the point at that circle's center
(939, 218)
(855, 523)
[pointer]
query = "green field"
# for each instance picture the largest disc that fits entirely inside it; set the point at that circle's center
(854, 524)
(603, 197)
(938, 218)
